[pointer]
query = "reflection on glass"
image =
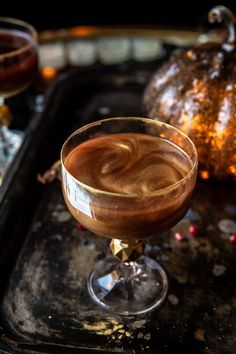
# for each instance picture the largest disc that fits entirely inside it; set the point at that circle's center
(128, 179)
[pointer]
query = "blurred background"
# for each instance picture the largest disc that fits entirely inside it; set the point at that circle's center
(47, 15)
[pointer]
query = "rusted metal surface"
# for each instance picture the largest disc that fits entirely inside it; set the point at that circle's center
(47, 300)
(46, 307)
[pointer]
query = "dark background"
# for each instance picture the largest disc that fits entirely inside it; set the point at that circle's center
(65, 13)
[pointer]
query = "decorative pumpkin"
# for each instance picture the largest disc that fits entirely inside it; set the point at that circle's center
(196, 92)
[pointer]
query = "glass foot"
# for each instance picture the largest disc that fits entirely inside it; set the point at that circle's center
(10, 142)
(128, 288)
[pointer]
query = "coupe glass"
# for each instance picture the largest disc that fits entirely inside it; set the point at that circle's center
(132, 195)
(18, 66)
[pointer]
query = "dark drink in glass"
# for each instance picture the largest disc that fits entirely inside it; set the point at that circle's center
(18, 67)
(19, 61)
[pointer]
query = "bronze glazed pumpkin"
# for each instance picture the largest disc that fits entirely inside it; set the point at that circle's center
(196, 92)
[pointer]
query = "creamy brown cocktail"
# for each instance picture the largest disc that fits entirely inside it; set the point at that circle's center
(137, 170)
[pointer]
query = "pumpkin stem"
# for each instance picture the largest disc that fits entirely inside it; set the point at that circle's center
(222, 13)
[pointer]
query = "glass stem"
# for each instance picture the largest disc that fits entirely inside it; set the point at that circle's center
(10, 141)
(130, 266)
(4, 141)
(128, 270)
(5, 118)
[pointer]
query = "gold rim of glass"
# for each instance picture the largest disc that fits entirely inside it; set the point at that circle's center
(23, 24)
(131, 195)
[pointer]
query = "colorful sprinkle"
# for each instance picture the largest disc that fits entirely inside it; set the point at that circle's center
(193, 230)
(80, 227)
(204, 174)
(179, 237)
(233, 238)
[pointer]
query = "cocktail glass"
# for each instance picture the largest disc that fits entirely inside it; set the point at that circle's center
(128, 179)
(18, 66)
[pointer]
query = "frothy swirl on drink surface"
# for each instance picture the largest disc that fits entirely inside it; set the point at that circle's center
(138, 184)
(128, 163)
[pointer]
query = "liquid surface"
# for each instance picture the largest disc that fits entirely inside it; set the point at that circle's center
(11, 40)
(128, 163)
(133, 166)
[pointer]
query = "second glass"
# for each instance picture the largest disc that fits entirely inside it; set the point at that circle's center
(18, 67)
(128, 179)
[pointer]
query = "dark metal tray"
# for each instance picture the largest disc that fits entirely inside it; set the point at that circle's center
(45, 257)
